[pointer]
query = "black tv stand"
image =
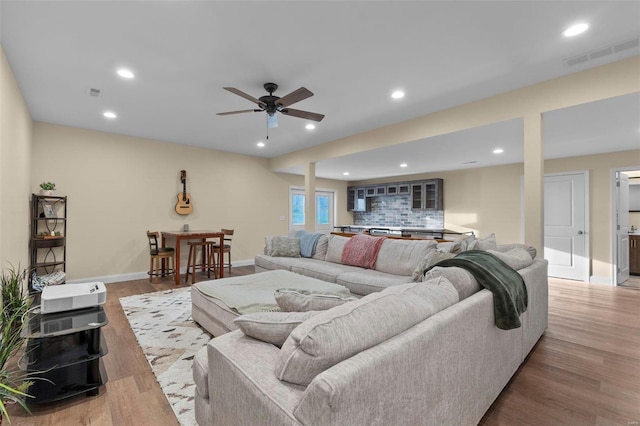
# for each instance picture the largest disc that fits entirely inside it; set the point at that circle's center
(67, 349)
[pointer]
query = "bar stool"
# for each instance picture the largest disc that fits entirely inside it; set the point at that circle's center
(228, 237)
(209, 261)
(157, 256)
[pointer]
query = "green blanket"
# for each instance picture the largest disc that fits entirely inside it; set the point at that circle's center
(254, 293)
(509, 292)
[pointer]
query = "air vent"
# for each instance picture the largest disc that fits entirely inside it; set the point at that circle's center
(95, 92)
(602, 52)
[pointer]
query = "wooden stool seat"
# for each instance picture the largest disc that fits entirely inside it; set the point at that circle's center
(209, 261)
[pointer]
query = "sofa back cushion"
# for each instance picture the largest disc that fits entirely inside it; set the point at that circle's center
(335, 248)
(339, 333)
(400, 257)
(321, 248)
(462, 280)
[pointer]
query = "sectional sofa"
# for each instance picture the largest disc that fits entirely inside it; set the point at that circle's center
(425, 353)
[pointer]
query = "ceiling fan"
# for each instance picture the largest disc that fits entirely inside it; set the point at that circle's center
(272, 104)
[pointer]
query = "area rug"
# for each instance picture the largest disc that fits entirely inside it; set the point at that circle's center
(169, 338)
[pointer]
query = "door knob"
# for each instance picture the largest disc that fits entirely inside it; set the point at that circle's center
(580, 232)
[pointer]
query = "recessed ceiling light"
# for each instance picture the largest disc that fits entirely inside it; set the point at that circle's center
(310, 126)
(498, 151)
(398, 94)
(125, 73)
(260, 144)
(346, 173)
(576, 29)
(110, 114)
(404, 165)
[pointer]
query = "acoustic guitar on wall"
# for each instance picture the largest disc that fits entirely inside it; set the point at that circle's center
(184, 206)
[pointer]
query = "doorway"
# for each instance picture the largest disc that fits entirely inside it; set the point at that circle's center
(325, 210)
(625, 213)
(566, 225)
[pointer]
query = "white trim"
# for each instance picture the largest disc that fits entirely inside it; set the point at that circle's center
(593, 279)
(142, 275)
(614, 232)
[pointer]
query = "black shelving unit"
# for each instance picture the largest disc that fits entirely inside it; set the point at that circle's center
(66, 349)
(48, 237)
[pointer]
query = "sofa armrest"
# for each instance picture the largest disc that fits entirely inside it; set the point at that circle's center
(243, 388)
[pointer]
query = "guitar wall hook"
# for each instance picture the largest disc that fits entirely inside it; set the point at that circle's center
(184, 206)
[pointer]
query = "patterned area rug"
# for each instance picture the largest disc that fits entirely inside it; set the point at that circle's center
(169, 339)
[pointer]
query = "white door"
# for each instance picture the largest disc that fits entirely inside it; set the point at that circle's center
(324, 210)
(565, 228)
(622, 233)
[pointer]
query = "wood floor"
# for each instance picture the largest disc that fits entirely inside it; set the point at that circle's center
(584, 371)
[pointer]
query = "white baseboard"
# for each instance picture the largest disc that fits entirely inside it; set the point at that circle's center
(593, 279)
(140, 275)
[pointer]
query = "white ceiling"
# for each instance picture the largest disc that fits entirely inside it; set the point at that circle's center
(352, 55)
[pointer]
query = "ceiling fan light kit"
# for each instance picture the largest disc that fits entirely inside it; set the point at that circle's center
(272, 104)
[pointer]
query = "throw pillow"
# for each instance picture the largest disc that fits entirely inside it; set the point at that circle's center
(416, 275)
(430, 259)
(488, 243)
(268, 245)
(517, 258)
(462, 244)
(294, 300)
(271, 327)
(528, 247)
(321, 248)
(339, 333)
(285, 247)
(335, 247)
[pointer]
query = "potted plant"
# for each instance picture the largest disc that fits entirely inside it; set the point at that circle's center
(14, 300)
(14, 382)
(47, 188)
(15, 304)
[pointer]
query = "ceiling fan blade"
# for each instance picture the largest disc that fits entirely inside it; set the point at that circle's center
(302, 114)
(244, 95)
(238, 112)
(295, 96)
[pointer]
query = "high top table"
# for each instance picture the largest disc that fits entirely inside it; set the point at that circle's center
(194, 235)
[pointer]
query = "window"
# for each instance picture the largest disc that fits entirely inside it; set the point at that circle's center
(322, 210)
(298, 209)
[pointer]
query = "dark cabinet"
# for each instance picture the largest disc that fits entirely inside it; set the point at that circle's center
(634, 254)
(357, 200)
(424, 194)
(427, 195)
(48, 240)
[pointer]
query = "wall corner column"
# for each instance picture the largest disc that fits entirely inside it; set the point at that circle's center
(534, 182)
(310, 197)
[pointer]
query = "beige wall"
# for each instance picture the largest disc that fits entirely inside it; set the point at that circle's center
(488, 200)
(119, 186)
(599, 167)
(15, 161)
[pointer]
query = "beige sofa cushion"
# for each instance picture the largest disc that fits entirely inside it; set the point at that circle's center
(285, 247)
(400, 257)
(339, 333)
(461, 279)
(335, 248)
(271, 327)
(518, 258)
(295, 300)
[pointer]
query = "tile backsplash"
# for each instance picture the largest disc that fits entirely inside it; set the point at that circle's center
(395, 210)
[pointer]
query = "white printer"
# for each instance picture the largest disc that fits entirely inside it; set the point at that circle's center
(67, 297)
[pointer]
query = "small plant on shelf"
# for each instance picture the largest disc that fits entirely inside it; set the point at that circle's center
(48, 186)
